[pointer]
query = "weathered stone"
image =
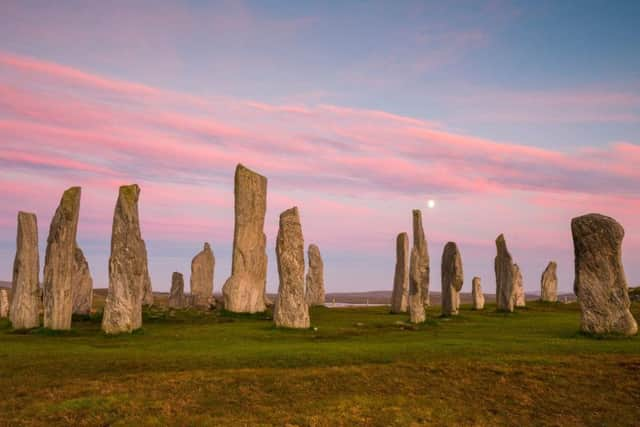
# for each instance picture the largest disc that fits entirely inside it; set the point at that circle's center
(127, 266)
(476, 294)
(177, 298)
(452, 278)
(147, 291)
(400, 296)
(4, 303)
(81, 284)
(519, 295)
(59, 262)
(202, 268)
(291, 309)
(25, 292)
(418, 272)
(315, 277)
(549, 283)
(600, 281)
(244, 291)
(503, 265)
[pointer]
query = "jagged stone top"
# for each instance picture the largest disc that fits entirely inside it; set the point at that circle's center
(242, 170)
(289, 216)
(596, 223)
(130, 193)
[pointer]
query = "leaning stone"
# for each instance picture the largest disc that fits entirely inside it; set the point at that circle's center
(202, 268)
(290, 309)
(477, 295)
(503, 265)
(600, 281)
(25, 292)
(519, 295)
(549, 283)
(4, 303)
(418, 272)
(59, 261)
(315, 277)
(452, 279)
(400, 296)
(127, 266)
(244, 291)
(82, 284)
(177, 299)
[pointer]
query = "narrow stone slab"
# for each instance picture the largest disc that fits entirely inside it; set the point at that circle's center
(600, 281)
(503, 265)
(476, 294)
(26, 298)
(400, 295)
(549, 283)
(452, 278)
(4, 303)
(315, 277)
(202, 268)
(147, 290)
(518, 285)
(290, 309)
(82, 284)
(418, 272)
(177, 298)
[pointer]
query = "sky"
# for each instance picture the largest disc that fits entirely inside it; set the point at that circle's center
(514, 117)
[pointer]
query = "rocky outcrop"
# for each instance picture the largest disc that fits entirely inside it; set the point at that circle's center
(290, 309)
(25, 292)
(452, 278)
(400, 295)
(59, 262)
(503, 265)
(418, 272)
(600, 281)
(315, 277)
(549, 283)
(81, 284)
(202, 268)
(476, 294)
(4, 303)
(177, 298)
(244, 291)
(128, 269)
(518, 285)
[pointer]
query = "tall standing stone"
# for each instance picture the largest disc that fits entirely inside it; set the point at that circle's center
(59, 262)
(452, 278)
(25, 291)
(400, 296)
(418, 272)
(476, 294)
(503, 265)
(82, 284)
(127, 266)
(600, 281)
(4, 303)
(290, 309)
(315, 277)
(202, 268)
(177, 299)
(549, 283)
(244, 291)
(147, 291)
(518, 285)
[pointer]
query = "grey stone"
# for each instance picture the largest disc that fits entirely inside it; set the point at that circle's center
(600, 281)
(503, 265)
(147, 291)
(202, 269)
(26, 298)
(177, 298)
(400, 296)
(82, 284)
(244, 291)
(4, 303)
(452, 278)
(519, 295)
(290, 309)
(549, 283)
(418, 272)
(476, 294)
(315, 277)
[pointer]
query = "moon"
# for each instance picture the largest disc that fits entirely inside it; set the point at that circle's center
(431, 203)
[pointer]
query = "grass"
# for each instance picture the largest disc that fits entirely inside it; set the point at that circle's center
(362, 366)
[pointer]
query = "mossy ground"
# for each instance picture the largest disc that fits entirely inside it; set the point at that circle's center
(363, 366)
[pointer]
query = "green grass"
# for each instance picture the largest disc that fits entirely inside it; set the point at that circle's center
(362, 366)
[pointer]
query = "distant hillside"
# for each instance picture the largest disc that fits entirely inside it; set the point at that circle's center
(4, 284)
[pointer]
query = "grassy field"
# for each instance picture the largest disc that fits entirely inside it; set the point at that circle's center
(362, 366)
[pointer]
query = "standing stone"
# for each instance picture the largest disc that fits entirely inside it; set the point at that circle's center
(244, 291)
(81, 284)
(127, 266)
(4, 303)
(147, 292)
(291, 309)
(315, 277)
(177, 299)
(503, 265)
(400, 296)
(59, 262)
(549, 283)
(25, 291)
(452, 279)
(476, 294)
(202, 268)
(519, 295)
(418, 272)
(600, 281)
